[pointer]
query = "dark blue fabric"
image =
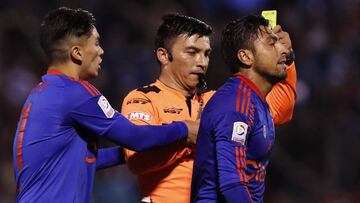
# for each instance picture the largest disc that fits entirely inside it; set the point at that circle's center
(226, 168)
(60, 141)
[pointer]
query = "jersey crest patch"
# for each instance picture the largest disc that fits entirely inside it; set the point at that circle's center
(106, 107)
(239, 132)
(139, 116)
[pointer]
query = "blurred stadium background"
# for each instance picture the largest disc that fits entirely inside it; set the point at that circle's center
(317, 156)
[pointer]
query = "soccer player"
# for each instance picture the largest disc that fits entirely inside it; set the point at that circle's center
(182, 50)
(236, 132)
(55, 147)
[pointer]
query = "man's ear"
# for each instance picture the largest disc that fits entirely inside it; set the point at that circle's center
(246, 57)
(163, 55)
(76, 54)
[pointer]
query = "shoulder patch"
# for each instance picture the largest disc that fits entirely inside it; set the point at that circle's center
(239, 132)
(147, 89)
(106, 107)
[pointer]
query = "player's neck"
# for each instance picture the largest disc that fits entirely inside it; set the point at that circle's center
(172, 83)
(261, 83)
(67, 69)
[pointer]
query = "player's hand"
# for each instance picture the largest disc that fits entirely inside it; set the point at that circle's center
(193, 128)
(284, 38)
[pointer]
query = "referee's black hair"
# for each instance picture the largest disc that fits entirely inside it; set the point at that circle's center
(174, 25)
(240, 34)
(60, 25)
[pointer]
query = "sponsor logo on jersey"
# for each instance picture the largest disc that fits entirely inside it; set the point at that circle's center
(239, 132)
(259, 168)
(137, 101)
(172, 110)
(139, 116)
(106, 107)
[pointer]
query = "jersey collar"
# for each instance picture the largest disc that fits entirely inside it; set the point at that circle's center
(170, 89)
(56, 72)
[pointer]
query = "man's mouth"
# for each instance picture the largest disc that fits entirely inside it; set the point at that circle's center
(100, 63)
(199, 74)
(282, 62)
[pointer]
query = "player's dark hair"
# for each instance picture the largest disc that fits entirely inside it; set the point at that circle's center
(60, 25)
(174, 25)
(240, 34)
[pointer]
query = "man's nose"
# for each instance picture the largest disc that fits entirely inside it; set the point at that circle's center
(203, 61)
(101, 51)
(282, 49)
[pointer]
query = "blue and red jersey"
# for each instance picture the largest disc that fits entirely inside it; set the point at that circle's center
(235, 139)
(56, 143)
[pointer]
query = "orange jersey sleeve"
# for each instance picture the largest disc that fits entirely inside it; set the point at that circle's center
(281, 98)
(140, 110)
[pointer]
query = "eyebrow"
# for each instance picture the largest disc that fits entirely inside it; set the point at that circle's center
(197, 49)
(272, 37)
(268, 35)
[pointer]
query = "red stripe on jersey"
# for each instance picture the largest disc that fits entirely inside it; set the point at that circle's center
(243, 162)
(25, 115)
(251, 116)
(245, 99)
(238, 164)
(92, 88)
(242, 159)
(56, 72)
(251, 84)
(87, 88)
(248, 102)
(239, 96)
(90, 160)
(247, 191)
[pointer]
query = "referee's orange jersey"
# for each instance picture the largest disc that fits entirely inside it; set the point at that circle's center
(165, 173)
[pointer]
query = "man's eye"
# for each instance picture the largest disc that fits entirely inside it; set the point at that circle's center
(272, 42)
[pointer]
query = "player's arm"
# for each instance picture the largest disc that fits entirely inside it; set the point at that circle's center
(140, 110)
(281, 98)
(97, 115)
(230, 145)
(109, 157)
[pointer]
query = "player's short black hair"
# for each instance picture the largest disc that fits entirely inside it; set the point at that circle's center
(240, 34)
(174, 25)
(60, 25)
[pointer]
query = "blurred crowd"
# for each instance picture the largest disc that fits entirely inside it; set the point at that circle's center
(316, 157)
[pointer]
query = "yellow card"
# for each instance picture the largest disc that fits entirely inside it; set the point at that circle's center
(270, 15)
